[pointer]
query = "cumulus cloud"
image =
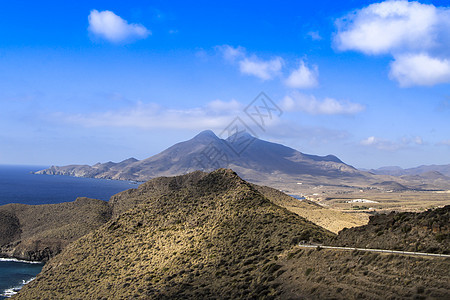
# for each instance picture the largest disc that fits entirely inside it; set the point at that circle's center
(413, 33)
(420, 69)
(268, 69)
(391, 25)
(303, 77)
(215, 115)
(250, 64)
(311, 105)
(388, 145)
(109, 26)
(263, 69)
(381, 144)
(231, 53)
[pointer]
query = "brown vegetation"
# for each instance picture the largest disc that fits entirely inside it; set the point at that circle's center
(208, 236)
(428, 231)
(38, 232)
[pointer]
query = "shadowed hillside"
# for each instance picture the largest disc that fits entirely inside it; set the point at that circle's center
(428, 231)
(38, 232)
(334, 274)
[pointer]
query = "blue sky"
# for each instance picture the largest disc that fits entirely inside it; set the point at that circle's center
(93, 81)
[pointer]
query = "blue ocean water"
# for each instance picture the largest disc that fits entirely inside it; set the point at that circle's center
(15, 274)
(18, 185)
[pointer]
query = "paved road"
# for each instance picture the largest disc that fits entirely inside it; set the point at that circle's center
(376, 250)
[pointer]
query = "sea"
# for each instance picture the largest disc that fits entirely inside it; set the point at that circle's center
(19, 185)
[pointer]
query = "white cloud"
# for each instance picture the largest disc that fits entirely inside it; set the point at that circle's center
(418, 140)
(251, 64)
(387, 145)
(369, 141)
(328, 106)
(220, 106)
(268, 69)
(420, 69)
(109, 26)
(387, 26)
(215, 115)
(314, 35)
(411, 32)
(303, 77)
(231, 53)
(380, 144)
(260, 68)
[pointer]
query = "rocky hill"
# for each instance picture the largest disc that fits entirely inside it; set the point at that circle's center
(42, 231)
(215, 236)
(427, 231)
(204, 236)
(38, 232)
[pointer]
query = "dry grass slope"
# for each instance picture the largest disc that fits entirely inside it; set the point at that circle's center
(329, 219)
(205, 236)
(334, 274)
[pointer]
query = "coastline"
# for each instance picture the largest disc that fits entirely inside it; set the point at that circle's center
(13, 259)
(12, 267)
(9, 292)
(131, 181)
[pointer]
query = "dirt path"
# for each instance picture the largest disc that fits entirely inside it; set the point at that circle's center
(376, 250)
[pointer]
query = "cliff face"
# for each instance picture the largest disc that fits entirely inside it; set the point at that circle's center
(38, 232)
(202, 236)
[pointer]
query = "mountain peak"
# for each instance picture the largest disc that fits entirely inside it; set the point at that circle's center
(206, 134)
(240, 135)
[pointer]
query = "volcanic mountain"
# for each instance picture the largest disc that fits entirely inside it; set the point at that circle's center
(253, 159)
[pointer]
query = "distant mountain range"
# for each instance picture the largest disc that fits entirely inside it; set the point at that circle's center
(424, 170)
(248, 156)
(260, 162)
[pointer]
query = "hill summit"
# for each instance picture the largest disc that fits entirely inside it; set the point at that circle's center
(193, 236)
